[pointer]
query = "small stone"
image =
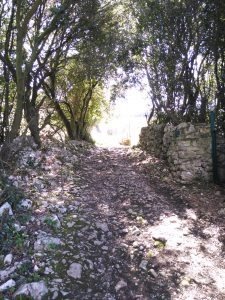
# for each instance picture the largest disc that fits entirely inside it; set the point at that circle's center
(35, 290)
(221, 212)
(26, 203)
(8, 259)
(7, 285)
(44, 241)
(97, 243)
(136, 231)
(70, 224)
(153, 273)
(64, 293)
(218, 193)
(6, 208)
(75, 270)
(48, 271)
(62, 210)
(120, 285)
(4, 274)
(105, 248)
(91, 264)
(135, 244)
(186, 281)
(143, 265)
(36, 268)
(102, 226)
(55, 295)
(17, 227)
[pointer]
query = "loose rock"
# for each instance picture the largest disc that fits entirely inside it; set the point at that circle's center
(8, 259)
(26, 203)
(6, 208)
(120, 285)
(102, 226)
(36, 290)
(7, 285)
(75, 270)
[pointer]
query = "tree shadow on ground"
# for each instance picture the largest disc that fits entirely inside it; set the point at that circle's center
(144, 210)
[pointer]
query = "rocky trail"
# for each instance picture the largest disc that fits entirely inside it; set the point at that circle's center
(97, 223)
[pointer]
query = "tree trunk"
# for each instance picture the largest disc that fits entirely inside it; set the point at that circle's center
(70, 130)
(20, 80)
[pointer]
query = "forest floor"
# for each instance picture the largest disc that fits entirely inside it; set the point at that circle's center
(109, 224)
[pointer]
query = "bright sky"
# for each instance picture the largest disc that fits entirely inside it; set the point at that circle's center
(126, 121)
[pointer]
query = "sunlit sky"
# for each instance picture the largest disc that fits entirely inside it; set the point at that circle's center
(127, 118)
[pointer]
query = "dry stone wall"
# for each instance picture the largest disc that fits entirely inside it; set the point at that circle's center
(151, 139)
(186, 147)
(189, 154)
(221, 157)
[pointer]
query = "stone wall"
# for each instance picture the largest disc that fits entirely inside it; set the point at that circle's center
(186, 147)
(189, 153)
(151, 139)
(221, 157)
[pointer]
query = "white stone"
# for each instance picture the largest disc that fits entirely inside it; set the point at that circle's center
(70, 224)
(44, 240)
(36, 268)
(17, 227)
(4, 274)
(8, 259)
(75, 270)
(221, 212)
(48, 271)
(153, 273)
(120, 285)
(102, 226)
(6, 207)
(143, 265)
(55, 295)
(62, 210)
(35, 290)
(105, 248)
(26, 203)
(7, 285)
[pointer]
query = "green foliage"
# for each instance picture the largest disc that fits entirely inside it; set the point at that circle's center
(51, 223)
(19, 240)
(23, 217)
(34, 277)
(10, 193)
(180, 47)
(81, 98)
(53, 247)
(25, 268)
(159, 244)
(9, 237)
(149, 254)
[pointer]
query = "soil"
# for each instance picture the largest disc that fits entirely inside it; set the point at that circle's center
(131, 229)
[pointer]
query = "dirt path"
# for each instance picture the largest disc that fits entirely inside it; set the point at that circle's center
(101, 230)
